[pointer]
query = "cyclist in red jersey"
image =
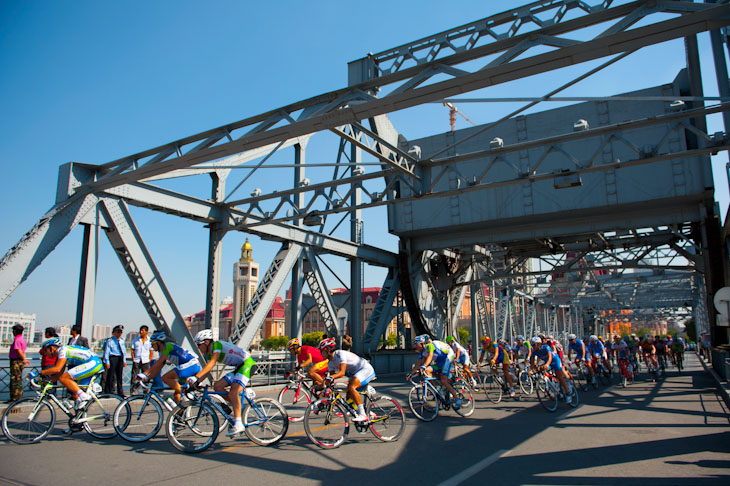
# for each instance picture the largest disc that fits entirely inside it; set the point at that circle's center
(306, 356)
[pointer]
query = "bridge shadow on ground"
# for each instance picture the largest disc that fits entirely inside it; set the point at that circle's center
(603, 442)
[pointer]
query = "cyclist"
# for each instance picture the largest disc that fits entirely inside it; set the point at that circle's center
(596, 350)
(678, 348)
(229, 355)
(499, 356)
(80, 364)
(462, 357)
(648, 350)
(186, 363)
(660, 344)
(623, 353)
(435, 357)
(343, 363)
(308, 356)
(581, 354)
(521, 347)
(551, 361)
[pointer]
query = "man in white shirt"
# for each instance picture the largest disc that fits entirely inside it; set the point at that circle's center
(141, 354)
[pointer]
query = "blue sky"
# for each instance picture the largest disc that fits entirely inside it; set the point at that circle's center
(94, 81)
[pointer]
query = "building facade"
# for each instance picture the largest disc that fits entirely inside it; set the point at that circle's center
(9, 319)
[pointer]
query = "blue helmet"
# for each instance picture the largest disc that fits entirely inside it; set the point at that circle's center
(421, 339)
(54, 341)
(158, 337)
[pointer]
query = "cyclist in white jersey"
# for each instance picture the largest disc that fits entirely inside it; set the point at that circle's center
(80, 363)
(343, 363)
(229, 355)
(462, 356)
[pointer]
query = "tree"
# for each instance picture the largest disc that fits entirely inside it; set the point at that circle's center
(464, 335)
(274, 342)
(391, 341)
(690, 328)
(312, 338)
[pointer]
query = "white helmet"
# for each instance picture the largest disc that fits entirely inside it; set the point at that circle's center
(571, 337)
(203, 335)
(594, 338)
(535, 341)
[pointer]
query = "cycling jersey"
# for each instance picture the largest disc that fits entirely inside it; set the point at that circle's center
(660, 345)
(306, 351)
(648, 348)
(463, 354)
(186, 363)
(355, 366)
(622, 350)
(545, 352)
(579, 348)
(230, 355)
(81, 363)
(595, 347)
(441, 351)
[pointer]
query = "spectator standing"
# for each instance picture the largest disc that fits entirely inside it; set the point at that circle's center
(141, 354)
(17, 361)
(115, 359)
(76, 338)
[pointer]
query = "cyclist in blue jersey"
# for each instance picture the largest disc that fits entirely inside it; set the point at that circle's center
(80, 364)
(229, 355)
(551, 361)
(435, 357)
(186, 363)
(581, 354)
(596, 349)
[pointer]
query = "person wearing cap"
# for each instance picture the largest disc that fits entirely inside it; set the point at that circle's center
(17, 361)
(115, 359)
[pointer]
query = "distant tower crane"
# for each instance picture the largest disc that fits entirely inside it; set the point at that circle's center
(452, 115)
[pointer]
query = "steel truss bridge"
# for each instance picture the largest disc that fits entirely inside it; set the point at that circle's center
(548, 219)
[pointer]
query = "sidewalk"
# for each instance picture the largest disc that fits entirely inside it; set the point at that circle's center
(722, 386)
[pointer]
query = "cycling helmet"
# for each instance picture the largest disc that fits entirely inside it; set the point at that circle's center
(501, 341)
(449, 339)
(571, 337)
(203, 335)
(535, 341)
(594, 338)
(486, 339)
(54, 341)
(520, 338)
(616, 337)
(158, 337)
(421, 339)
(293, 343)
(327, 343)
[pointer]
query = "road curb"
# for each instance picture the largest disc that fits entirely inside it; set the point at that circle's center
(724, 392)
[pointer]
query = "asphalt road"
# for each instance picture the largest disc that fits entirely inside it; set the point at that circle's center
(676, 431)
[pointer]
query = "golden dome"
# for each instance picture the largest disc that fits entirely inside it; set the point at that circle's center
(246, 252)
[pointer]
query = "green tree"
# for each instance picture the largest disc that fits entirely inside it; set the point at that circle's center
(392, 340)
(464, 335)
(312, 338)
(690, 329)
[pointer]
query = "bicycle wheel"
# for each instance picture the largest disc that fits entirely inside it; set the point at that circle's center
(266, 421)
(192, 426)
(295, 399)
(423, 402)
(493, 389)
(603, 377)
(387, 419)
(98, 417)
(525, 382)
(547, 395)
(138, 418)
(28, 420)
(467, 400)
(326, 423)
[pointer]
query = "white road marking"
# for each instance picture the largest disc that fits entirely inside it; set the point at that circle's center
(471, 471)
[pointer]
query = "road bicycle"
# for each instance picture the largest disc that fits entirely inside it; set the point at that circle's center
(427, 396)
(29, 420)
(193, 426)
(496, 386)
(327, 420)
(549, 391)
(626, 372)
(601, 371)
(296, 395)
(475, 385)
(652, 369)
(524, 378)
(583, 377)
(139, 417)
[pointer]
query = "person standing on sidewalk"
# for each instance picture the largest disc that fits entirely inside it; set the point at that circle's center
(17, 361)
(76, 338)
(115, 359)
(141, 354)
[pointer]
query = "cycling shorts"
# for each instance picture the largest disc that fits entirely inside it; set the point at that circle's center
(464, 359)
(442, 367)
(502, 358)
(187, 369)
(556, 364)
(365, 375)
(82, 373)
(320, 368)
(242, 374)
